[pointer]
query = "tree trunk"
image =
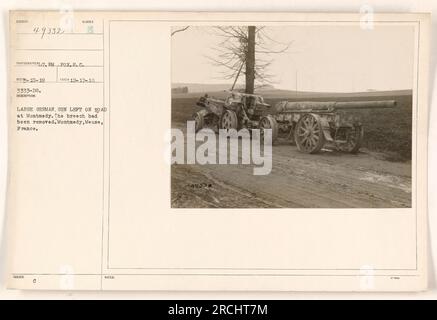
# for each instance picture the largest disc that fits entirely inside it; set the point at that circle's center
(250, 60)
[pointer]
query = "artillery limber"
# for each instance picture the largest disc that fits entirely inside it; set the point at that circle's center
(310, 124)
(238, 110)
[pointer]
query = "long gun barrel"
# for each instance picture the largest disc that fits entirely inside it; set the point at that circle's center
(331, 106)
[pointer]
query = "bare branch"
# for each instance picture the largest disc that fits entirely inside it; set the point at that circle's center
(231, 51)
(179, 30)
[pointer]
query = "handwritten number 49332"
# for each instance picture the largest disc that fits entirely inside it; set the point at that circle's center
(46, 30)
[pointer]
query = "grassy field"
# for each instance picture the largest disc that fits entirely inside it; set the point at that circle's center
(385, 130)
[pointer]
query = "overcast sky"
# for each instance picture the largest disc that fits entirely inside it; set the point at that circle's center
(325, 58)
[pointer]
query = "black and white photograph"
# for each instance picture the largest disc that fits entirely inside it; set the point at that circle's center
(249, 153)
(336, 100)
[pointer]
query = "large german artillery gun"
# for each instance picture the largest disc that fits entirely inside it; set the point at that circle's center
(310, 124)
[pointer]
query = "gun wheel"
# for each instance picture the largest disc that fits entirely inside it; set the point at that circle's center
(229, 120)
(308, 134)
(349, 139)
(268, 122)
(199, 121)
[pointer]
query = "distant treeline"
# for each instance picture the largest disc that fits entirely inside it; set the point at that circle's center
(179, 90)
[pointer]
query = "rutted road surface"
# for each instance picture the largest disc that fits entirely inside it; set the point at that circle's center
(328, 179)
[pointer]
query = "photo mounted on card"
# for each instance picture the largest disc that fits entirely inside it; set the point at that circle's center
(218, 151)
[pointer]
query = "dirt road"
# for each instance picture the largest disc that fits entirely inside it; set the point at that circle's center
(329, 179)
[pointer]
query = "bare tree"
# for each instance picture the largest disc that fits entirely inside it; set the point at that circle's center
(246, 50)
(250, 60)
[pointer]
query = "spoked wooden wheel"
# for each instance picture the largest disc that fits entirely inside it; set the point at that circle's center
(349, 139)
(308, 134)
(229, 120)
(268, 122)
(199, 121)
